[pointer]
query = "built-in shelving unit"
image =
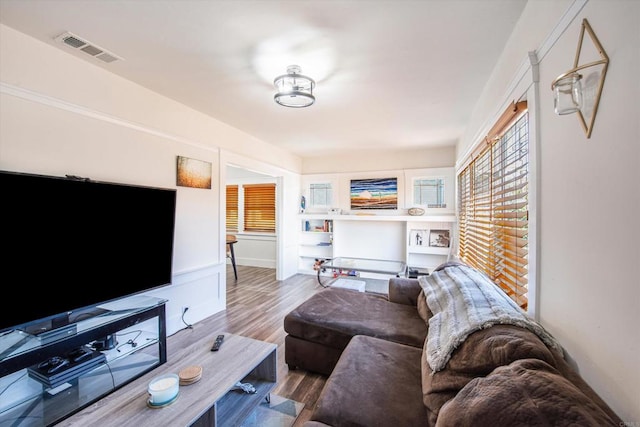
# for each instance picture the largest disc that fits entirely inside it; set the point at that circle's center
(137, 326)
(316, 242)
(423, 242)
(428, 242)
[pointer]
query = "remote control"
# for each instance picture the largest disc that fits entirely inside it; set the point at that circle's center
(217, 343)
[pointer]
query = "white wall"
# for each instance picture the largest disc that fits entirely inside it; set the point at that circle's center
(62, 115)
(589, 195)
(341, 186)
(372, 238)
(358, 161)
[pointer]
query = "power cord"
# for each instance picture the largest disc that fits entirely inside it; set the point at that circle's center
(188, 325)
(132, 342)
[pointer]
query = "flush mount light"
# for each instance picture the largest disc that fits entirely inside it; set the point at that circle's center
(294, 89)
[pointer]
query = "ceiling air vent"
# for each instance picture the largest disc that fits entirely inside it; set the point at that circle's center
(91, 49)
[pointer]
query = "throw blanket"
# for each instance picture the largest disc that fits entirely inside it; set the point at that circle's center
(464, 300)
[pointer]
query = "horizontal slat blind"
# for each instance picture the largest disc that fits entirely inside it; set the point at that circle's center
(260, 207)
(232, 207)
(464, 212)
(510, 196)
(493, 206)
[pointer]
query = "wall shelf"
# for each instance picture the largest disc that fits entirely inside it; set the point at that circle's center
(372, 236)
(445, 217)
(315, 241)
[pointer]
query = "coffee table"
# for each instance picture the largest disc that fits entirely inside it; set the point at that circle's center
(207, 402)
(367, 265)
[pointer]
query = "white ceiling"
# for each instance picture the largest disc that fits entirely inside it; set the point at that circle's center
(390, 74)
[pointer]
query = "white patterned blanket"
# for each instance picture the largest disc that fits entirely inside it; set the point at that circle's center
(464, 300)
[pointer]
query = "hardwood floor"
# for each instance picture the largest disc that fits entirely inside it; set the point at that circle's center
(256, 306)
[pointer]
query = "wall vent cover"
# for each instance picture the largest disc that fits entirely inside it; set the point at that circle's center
(78, 43)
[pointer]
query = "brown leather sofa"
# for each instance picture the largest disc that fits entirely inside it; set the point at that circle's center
(373, 349)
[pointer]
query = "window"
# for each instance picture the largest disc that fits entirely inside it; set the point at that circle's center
(493, 205)
(429, 192)
(320, 195)
(260, 207)
(232, 207)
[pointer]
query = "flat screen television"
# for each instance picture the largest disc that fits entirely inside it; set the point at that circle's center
(73, 243)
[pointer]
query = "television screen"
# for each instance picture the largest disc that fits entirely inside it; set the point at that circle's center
(72, 243)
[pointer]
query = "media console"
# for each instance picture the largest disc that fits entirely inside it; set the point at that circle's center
(44, 380)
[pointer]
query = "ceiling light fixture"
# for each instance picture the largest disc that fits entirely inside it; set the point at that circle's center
(294, 89)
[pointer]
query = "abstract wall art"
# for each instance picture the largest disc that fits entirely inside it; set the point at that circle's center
(376, 193)
(193, 173)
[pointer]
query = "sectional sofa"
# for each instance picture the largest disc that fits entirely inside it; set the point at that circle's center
(383, 369)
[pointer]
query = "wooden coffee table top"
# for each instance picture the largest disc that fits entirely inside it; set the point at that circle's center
(221, 370)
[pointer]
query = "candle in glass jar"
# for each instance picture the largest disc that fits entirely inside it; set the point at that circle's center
(163, 389)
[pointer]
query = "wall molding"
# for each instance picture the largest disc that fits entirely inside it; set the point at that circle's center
(40, 98)
(191, 274)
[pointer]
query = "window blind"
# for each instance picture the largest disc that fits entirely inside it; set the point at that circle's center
(232, 207)
(260, 207)
(493, 206)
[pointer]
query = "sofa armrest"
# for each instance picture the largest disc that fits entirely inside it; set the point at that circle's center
(404, 291)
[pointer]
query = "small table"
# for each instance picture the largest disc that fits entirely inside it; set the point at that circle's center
(231, 240)
(380, 266)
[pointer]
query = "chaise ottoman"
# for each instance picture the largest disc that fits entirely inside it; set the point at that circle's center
(319, 329)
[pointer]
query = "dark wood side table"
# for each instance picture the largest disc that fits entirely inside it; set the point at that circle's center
(232, 240)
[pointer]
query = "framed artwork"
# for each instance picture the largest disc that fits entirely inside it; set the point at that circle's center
(439, 238)
(418, 237)
(377, 193)
(193, 173)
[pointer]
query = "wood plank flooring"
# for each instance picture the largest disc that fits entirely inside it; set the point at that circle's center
(256, 306)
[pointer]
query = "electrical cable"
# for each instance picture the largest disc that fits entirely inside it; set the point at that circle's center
(113, 379)
(188, 325)
(132, 342)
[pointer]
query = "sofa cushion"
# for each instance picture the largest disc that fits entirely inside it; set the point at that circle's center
(375, 383)
(480, 354)
(403, 290)
(528, 392)
(333, 316)
(423, 308)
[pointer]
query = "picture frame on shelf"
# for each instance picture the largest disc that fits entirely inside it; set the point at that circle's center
(439, 238)
(418, 237)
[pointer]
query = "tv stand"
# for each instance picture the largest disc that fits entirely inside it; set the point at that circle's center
(33, 394)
